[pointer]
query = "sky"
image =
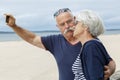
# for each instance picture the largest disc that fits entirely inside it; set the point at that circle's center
(37, 15)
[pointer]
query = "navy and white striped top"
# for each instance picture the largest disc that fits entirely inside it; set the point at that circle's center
(77, 69)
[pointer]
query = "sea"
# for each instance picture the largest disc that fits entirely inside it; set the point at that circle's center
(11, 36)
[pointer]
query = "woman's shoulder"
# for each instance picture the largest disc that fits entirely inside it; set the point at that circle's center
(93, 42)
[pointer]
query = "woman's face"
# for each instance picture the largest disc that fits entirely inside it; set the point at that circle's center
(79, 29)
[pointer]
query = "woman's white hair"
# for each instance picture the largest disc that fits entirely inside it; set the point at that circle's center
(92, 21)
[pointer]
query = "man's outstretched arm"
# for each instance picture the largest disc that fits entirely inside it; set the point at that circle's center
(24, 34)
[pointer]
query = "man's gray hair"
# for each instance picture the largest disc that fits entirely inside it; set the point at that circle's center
(92, 21)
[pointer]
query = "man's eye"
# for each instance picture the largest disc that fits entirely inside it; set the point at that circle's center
(70, 21)
(62, 24)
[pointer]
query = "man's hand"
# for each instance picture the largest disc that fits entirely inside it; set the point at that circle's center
(107, 72)
(109, 69)
(10, 20)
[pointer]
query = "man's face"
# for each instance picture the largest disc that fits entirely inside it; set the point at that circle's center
(65, 22)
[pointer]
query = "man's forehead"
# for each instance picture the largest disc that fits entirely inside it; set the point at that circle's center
(63, 18)
(65, 15)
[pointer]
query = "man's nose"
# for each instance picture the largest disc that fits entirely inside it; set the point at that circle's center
(66, 25)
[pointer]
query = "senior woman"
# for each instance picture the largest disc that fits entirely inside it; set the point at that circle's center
(89, 64)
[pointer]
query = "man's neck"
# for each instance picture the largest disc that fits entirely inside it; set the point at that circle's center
(72, 40)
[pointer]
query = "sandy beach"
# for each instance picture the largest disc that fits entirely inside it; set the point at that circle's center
(21, 61)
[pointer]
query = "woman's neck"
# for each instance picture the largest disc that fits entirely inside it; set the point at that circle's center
(83, 39)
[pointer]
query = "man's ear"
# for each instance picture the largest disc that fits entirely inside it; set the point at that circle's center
(75, 20)
(74, 17)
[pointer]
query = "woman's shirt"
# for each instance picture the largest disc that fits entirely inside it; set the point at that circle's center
(93, 59)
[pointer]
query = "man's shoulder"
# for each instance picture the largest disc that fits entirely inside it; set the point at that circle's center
(54, 37)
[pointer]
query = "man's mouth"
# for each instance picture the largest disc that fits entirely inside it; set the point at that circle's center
(69, 29)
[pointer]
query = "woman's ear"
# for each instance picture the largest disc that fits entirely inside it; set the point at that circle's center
(86, 27)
